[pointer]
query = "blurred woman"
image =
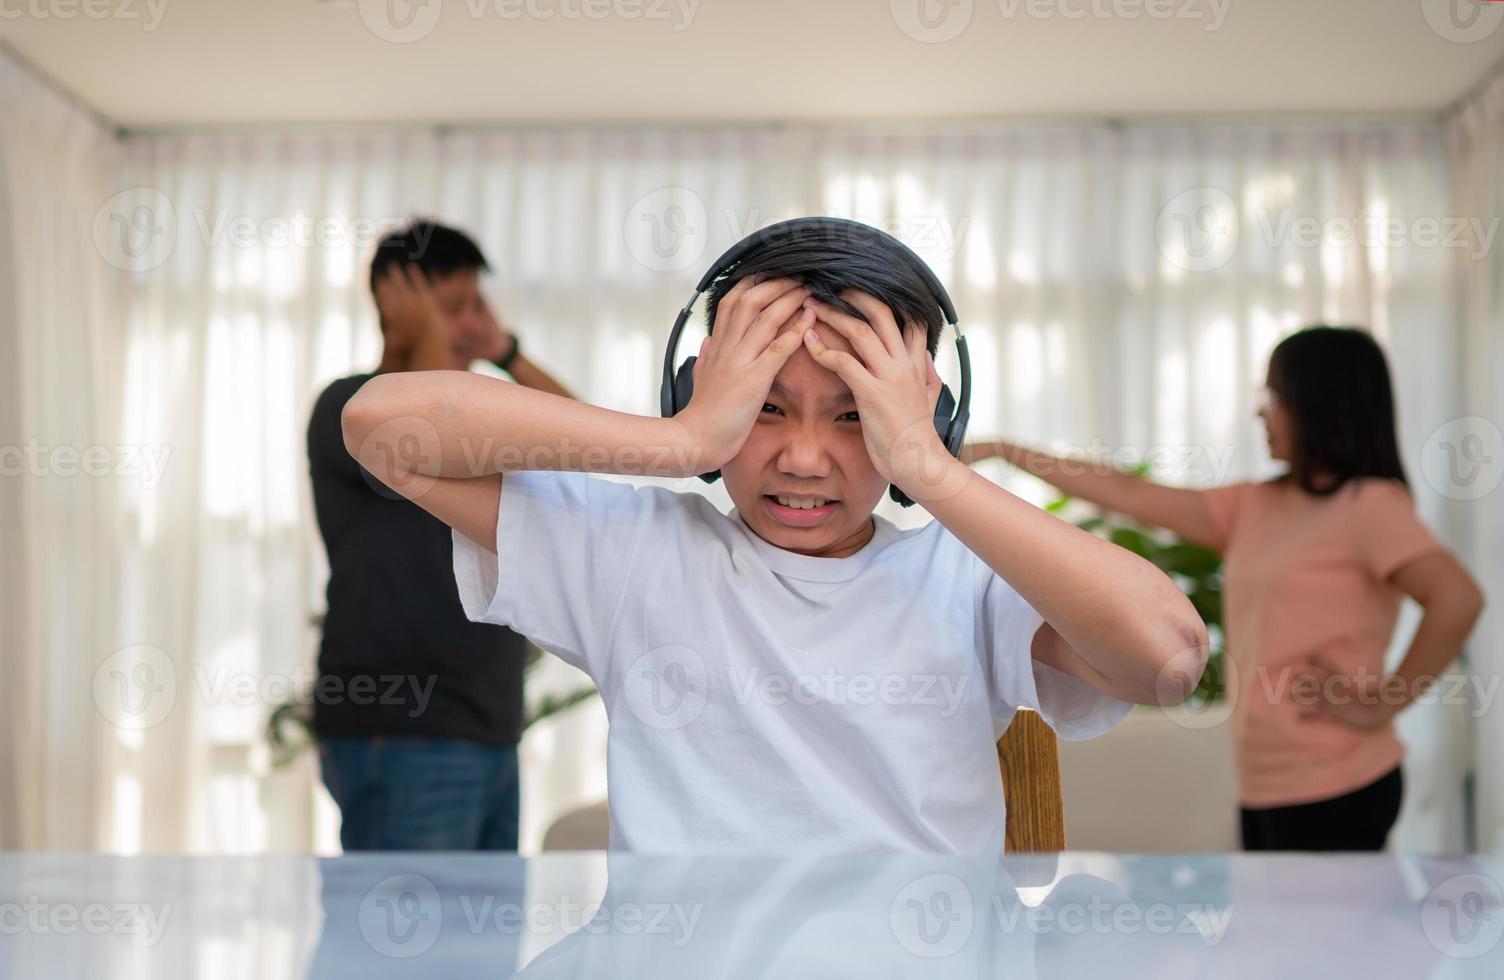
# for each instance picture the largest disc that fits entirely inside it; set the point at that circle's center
(1315, 564)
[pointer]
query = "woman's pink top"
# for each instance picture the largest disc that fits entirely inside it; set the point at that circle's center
(1304, 574)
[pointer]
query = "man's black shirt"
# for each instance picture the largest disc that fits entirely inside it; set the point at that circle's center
(398, 657)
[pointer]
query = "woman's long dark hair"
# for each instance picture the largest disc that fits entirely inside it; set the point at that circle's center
(1335, 383)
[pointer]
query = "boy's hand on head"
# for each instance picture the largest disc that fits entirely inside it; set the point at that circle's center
(407, 306)
(757, 329)
(893, 379)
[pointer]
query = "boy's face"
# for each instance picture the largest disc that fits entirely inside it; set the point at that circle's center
(807, 443)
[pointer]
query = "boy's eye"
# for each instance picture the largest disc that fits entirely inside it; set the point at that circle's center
(768, 405)
(850, 417)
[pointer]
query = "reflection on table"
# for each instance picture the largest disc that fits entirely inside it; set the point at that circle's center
(863, 915)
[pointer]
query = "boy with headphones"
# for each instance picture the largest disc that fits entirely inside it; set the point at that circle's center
(799, 672)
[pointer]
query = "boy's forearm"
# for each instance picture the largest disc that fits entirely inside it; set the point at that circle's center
(457, 424)
(1125, 618)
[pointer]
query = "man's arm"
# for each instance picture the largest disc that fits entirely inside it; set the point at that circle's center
(532, 376)
(1111, 618)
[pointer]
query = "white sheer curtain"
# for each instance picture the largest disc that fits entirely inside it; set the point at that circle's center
(1119, 286)
(1476, 149)
(60, 477)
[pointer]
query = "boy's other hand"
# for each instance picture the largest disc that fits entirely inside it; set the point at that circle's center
(757, 329)
(407, 306)
(893, 379)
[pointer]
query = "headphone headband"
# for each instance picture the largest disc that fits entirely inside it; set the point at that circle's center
(821, 229)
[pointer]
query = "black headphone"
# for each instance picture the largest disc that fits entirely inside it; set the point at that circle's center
(951, 416)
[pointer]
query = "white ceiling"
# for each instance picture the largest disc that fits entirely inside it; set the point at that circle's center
(169, 63)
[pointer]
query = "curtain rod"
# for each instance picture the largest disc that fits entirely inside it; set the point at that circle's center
(1023, 122)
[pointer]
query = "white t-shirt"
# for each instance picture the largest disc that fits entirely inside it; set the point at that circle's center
(762, 700)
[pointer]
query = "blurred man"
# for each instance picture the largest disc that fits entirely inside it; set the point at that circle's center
(418, 710)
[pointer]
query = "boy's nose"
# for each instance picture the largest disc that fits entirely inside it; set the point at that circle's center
(804, 453)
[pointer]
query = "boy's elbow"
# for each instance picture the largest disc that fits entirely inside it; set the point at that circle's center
(360, 415)
(1179, 661)
(378, 401)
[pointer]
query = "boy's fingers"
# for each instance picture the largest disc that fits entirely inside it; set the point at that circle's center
(751, 303)
(858, 332)
(846, 367)
(881, 318)
(728, 302)
(773, 317)
(772, 358)
(916, 339)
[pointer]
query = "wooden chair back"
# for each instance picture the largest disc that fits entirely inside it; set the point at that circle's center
(1029, 760)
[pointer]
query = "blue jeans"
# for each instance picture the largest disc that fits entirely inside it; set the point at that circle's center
(422, 794)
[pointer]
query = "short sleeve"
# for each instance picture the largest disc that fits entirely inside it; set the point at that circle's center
(566, 544)
(1224, 504)
(1387, 532)
(1006, 626)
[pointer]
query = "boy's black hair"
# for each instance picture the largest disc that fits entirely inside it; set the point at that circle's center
(1335, 382)
(436, 249)
(831, 260)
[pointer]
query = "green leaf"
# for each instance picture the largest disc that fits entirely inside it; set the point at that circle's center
(1208, 603)
(1135, 541)
(1190, 560)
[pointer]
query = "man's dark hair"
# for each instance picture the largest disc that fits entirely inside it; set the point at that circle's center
(830, 260)
(1335, 382)
(436, 249)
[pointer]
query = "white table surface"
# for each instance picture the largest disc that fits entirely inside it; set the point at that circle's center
(880, 915)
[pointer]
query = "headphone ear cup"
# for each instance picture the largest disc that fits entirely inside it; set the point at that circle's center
(684, 389)
(684, 384)
(945, 409)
